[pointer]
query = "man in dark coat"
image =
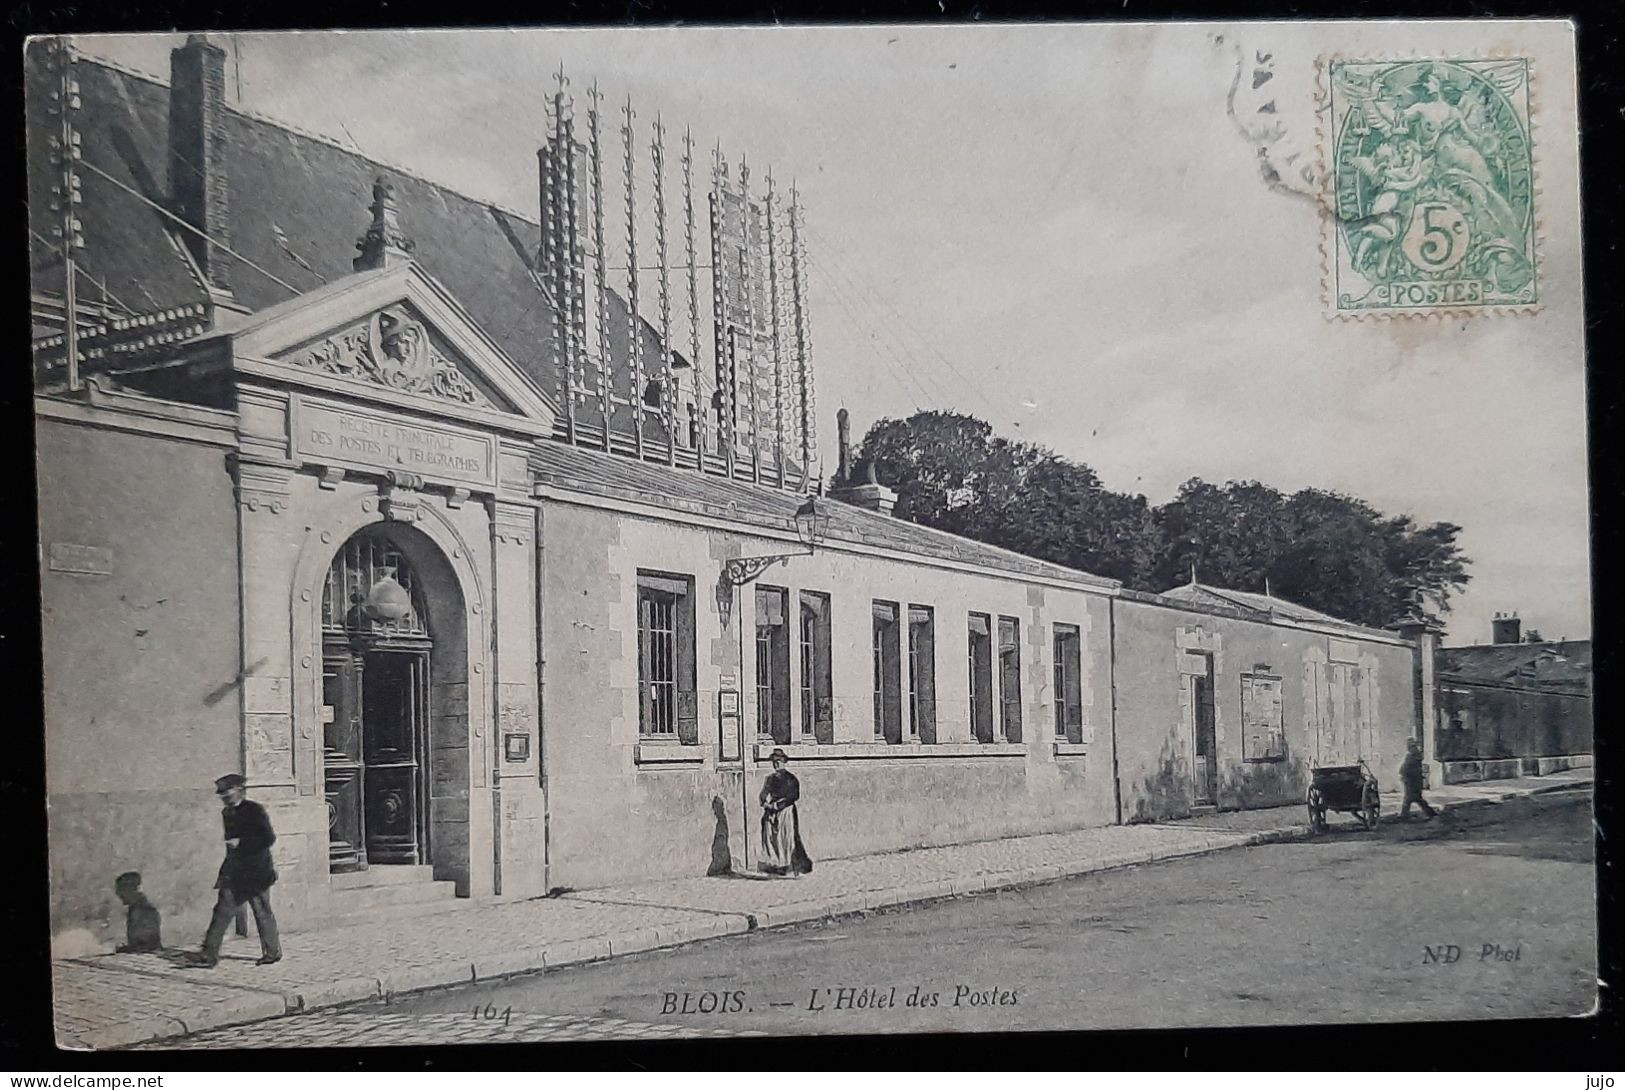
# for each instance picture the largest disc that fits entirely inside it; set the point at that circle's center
(247, 874)
(1410, 775)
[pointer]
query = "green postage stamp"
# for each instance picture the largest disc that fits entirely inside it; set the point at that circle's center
(1432, 202)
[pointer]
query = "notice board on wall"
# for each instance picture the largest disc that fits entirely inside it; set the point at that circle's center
(730, 746)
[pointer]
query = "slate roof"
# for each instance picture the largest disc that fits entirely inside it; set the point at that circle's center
(1264, 604)
(1565, 663)
(298, 203)
(578, 469)
(134, 257)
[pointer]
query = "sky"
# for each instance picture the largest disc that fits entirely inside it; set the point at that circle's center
(1060, 229)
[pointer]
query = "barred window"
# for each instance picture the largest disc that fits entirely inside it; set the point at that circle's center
(922, 675)
(979, 633)
(367, 568)
(773, 664)
(1010, 678)
(666, 704)
(1068, 683)
(886, 653)
(817, 707)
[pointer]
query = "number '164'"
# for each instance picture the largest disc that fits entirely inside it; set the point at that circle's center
(489, 1013)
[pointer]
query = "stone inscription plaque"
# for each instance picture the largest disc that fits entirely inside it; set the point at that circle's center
(81, 559)
(332, 435)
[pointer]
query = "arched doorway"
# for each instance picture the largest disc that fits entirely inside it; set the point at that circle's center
(393, 647)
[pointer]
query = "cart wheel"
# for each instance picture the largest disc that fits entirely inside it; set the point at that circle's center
(1370, 808)
(1317, 811)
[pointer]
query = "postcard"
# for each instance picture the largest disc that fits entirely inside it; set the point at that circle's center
(701, 532)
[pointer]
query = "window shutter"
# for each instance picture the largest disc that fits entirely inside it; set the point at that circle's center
(824, 720)
(688, 718)
(769, 608)
(1009, 635)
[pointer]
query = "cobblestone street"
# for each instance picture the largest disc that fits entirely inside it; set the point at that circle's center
(120, 1000)
(1333, 929)
(373, 1028)
(1329, 930)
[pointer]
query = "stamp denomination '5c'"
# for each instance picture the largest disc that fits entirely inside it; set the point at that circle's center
(1432, 181)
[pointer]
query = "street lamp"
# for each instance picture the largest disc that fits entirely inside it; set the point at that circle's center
(812, 526)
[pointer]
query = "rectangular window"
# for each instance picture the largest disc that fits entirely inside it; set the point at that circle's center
(773, 664)
(1458, 709)
(1068, 683)
(922, 675)
(886, 652)
(1457, 739)
(666, 704)
(1263, 722)
(1010, 678)
(980, 640)
(817, 705)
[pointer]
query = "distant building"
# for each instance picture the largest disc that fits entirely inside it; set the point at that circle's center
(1512, 708)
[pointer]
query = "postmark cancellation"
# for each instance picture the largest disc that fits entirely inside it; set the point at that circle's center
(1431, 187)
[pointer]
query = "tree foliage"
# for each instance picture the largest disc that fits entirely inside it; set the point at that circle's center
(1324, 550)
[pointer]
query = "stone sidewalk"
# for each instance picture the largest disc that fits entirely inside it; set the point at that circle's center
(117, 1000)
(1280, 820)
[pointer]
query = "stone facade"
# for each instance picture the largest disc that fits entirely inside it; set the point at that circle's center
(1344, 698)
(139, 582)
(539, 769)
(247, 432)
(680, 803)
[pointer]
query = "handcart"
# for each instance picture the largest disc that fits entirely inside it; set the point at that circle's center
(1350, 789)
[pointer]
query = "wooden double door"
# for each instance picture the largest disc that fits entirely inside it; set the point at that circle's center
(375, 745)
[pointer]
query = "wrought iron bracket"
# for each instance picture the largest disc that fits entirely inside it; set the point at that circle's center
(745, 569)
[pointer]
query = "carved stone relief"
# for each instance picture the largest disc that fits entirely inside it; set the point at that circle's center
(392, 349)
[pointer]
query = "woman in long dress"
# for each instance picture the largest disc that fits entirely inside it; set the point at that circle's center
(782, 851)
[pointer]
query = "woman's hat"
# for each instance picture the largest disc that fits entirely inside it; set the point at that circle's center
(777, 755)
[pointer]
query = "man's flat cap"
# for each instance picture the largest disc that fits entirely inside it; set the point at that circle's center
(226, 783)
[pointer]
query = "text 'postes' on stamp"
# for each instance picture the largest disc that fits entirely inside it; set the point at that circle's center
(1432, 177)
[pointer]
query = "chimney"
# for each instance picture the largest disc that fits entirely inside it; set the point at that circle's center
(384, 245)
(871, 494)
(1506, 628)
(843, 428)
(197, 158)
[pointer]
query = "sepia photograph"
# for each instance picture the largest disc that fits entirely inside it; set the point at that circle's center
(639, 534)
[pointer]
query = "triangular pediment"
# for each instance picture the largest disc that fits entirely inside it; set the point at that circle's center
(395, 348)
(395, 333)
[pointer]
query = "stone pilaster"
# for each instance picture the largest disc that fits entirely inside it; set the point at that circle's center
(516, 743)
(953, 693)
(1424, 636)
(270, 757)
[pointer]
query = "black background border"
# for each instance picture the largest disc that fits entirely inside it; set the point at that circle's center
(26, 1037)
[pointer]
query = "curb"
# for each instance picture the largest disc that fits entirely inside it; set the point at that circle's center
(333, 993)
(411, 980)
(124, 1034)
